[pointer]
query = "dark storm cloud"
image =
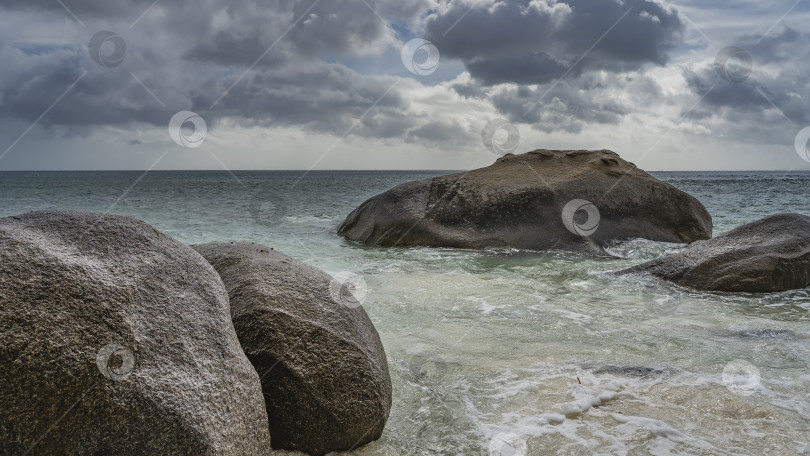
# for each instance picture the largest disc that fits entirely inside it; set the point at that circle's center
(185, 54)
(189, 54)
(779, 79)
(224, 48)
(318, 96)
(443, 133)
(533, 42)
(561, 108)
(500, 50)
(326, 25)
(245, 29)
(568, 105)
(81, 7)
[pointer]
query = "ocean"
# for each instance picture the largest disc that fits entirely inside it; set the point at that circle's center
(506, 352)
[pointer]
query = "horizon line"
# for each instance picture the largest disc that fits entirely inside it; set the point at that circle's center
(361, 170)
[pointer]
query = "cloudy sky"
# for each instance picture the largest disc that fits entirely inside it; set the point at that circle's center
(401, 84)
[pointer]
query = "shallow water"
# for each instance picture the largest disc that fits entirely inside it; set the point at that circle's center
(544, 353)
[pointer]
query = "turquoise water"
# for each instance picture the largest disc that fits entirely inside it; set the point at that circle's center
(508, 352)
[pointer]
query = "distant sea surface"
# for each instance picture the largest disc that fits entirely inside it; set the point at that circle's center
(525, 352)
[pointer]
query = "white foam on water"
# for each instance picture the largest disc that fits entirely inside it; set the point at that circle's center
(578, 318)
(309, 220)
(602, 414)
(485, 307)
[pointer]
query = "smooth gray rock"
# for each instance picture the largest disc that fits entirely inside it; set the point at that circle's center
(323, 368)
(518, 202)
(768, 255)
(173, 378)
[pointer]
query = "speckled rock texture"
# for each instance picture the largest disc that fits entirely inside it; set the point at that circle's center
(172, 378)
(323, 368)
(768, 255)
(518, 202)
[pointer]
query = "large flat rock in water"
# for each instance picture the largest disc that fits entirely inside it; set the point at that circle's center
(322, 365)
(768, 255)
(117, 339)
(541, 200)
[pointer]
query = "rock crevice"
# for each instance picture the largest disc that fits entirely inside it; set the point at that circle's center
(322, 365)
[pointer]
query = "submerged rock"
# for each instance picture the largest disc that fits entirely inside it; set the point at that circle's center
(323, 368)
(768, 255)
(634, 371)
(117, 339)
(572, 200)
